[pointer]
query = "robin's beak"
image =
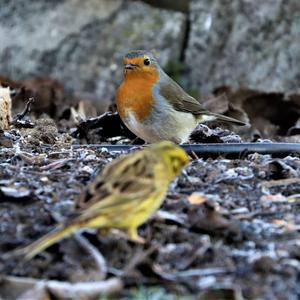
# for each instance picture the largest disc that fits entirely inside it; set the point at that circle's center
(130, 66)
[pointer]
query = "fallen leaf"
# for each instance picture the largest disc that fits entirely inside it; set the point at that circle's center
(197, 198)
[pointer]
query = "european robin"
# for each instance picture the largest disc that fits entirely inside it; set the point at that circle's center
(124, 195)
(153, 106)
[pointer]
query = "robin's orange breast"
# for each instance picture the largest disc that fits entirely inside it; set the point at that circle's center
(135, 96)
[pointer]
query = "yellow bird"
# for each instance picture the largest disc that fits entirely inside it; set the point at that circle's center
(124, 194)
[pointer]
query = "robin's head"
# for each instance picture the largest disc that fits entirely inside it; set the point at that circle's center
(140, 63)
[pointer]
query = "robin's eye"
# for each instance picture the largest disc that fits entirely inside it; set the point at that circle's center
(146, 61)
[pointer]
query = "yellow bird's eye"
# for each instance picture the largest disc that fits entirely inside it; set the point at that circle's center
(146, 61)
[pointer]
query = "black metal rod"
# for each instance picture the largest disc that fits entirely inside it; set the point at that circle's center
(261, 148)
(214, 149)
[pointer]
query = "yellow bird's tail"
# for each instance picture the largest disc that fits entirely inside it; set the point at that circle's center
(44, 242)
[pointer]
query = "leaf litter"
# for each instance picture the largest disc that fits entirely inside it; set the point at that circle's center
(228, 227)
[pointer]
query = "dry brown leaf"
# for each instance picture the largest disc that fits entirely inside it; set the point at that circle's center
(197, 198)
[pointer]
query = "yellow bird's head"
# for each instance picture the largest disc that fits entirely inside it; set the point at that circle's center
(173, 156)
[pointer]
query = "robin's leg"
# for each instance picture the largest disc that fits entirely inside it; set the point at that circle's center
(133, 235)
(192, 154)
(138, 142)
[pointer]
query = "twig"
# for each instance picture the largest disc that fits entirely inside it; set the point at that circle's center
(17, 120)
(190, 272)
(20, 287)
(280, 182)
(26, 110)
(57, 164)
(254, 214)
(167, 216)
(84, 290)
(139, 257)
(93, 251)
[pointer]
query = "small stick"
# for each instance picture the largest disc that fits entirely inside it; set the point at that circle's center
(26, 110)
(95, 253)
(25, 288)
(191, 272)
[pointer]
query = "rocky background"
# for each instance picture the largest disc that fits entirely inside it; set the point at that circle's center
(238, 236)
(204, 44)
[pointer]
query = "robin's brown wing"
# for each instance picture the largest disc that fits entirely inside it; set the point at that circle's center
(180, 99)
(184, 102)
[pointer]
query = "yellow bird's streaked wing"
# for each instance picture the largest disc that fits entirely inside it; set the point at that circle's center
(125, 179)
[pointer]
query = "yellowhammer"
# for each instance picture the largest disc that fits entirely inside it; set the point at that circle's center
(123, 196)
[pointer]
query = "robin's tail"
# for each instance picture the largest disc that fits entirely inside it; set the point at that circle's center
(209, 116)
(44, 242)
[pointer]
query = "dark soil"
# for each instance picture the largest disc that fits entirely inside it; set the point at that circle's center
(244, 234)
(238, 235)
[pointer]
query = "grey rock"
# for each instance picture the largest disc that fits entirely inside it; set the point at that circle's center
(244, 43)
(179, 5)
(81, 43)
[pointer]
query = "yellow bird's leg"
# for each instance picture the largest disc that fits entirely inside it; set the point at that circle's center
(133, 235)
(103, 232)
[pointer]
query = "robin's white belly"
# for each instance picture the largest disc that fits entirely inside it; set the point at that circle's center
(174, 126)
(139, 129)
